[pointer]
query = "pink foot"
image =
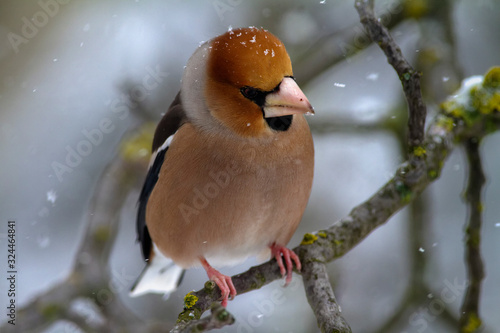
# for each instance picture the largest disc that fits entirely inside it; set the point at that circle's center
(288, 255)
(224, 282)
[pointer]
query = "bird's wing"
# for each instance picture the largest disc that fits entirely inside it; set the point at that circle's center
(168, 126)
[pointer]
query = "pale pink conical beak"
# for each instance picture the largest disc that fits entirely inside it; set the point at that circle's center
(287, 100)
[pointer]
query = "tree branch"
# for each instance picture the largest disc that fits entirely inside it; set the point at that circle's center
(410, 78)
(320, 296)
(470, 320)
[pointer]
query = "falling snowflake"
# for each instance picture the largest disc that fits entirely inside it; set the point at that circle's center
(51, 196)
(372, 76)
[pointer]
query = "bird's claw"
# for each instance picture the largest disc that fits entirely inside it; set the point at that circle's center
(226, 286)
(280, 252)
(224, 282)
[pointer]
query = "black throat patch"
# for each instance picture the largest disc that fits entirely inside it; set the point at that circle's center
(281, 124)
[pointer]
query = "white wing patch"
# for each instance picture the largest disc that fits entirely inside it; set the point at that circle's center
(164, 146)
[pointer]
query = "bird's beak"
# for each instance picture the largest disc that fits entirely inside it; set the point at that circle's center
(287, 100)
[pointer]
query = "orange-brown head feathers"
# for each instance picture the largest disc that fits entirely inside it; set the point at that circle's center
(243, 72)
(249, 57)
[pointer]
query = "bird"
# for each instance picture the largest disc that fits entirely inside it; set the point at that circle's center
(231, 168)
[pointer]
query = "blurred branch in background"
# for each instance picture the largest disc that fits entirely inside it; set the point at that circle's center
(90, 277)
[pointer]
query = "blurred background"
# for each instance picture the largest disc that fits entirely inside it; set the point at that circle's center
(82, 84)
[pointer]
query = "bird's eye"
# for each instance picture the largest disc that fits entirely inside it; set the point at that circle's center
(249, 92)
(255, 95)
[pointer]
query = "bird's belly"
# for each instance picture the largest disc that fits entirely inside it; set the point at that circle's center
(227, 233)
(229, 219)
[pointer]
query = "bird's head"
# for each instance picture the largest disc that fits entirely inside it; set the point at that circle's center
(246, 82)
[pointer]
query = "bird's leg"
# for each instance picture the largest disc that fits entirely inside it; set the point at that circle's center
(288, 255)
(224, 282)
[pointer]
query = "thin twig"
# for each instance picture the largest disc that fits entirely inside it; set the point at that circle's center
(410, 78)
(470, 320)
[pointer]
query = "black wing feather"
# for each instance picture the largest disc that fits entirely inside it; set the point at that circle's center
(150, 182)
(169, 124)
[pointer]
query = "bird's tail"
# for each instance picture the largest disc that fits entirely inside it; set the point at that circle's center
(161, 275)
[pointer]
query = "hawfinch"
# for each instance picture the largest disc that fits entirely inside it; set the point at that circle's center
(232, 165)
